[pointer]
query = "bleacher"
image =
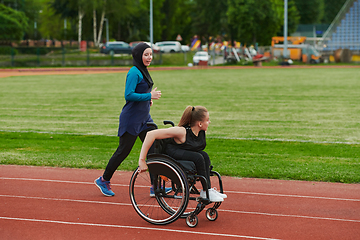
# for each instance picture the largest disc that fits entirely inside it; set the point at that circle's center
(345, 33)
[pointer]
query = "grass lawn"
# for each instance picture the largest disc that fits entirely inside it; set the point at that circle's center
(268, 123)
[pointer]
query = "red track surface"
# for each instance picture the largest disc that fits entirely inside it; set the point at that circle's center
(60, 203)
(95, 70)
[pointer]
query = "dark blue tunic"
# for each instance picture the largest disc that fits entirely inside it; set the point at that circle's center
(136, 112)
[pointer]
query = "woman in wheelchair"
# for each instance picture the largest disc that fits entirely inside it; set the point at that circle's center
(187, 142)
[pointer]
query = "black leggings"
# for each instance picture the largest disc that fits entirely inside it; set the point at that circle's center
(126, 143)
(200, 158)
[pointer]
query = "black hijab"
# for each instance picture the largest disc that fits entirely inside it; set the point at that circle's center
(137, 53)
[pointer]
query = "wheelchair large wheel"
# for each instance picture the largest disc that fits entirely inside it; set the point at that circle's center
(171, 193)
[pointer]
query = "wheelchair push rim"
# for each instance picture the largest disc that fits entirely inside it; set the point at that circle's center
(163, 208)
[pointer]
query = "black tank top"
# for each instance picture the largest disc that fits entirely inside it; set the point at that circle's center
(192, 142)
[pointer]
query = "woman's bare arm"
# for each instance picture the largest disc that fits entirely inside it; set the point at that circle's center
(178, 133)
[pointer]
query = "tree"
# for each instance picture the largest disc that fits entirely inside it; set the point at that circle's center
(181, 22)
(67, 7)
(97, 36)
(293, 16)
(109, 7)
(171, 19)
(132, 24)
(253, 21)
(51, 23)
(311, 11)
(332, 8)
(209, 18)
(12, 23)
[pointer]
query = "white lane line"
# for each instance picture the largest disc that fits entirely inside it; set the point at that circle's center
(236, 192)
(220, 210)
(136, 227)
(58, 181)
(66, 200)
(295, 196)
(293, 216)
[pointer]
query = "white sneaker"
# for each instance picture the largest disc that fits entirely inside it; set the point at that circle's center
(223, 195)
(213, 195)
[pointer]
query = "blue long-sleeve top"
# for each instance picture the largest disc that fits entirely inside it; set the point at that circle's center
(136, 111)
(133, 78)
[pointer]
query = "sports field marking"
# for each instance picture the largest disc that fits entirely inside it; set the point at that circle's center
(246, 139)
(65, 200)
(58, 181)
(236, 192)
(135, 227)
(295, 196)
(220, 210)
(292, 216)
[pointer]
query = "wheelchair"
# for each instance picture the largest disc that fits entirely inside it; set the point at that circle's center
(174, 187)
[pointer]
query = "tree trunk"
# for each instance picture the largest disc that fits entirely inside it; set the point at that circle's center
(94, 28)
(101, 25)
(81, 15)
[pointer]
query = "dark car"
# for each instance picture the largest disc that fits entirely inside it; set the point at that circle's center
(116, 47)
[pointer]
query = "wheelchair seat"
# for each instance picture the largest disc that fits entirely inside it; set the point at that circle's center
(187, 166)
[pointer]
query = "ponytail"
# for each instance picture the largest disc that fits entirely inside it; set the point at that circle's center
(191, 115)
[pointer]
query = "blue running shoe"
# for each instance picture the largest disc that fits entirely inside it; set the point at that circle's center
(104, 187)
(152, 193)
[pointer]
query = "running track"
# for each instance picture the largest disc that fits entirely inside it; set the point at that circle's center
(61, 203)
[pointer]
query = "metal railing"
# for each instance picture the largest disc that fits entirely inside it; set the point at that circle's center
(62, 57)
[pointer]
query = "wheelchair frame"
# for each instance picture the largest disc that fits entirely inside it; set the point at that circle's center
(166, 207)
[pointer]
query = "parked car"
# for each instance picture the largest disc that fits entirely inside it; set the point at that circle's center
(169, 46)
(201, 56)
(133, 44)
(185, 48)
(155, 48)
(116, 47)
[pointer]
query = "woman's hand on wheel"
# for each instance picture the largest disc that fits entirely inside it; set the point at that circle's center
(155, 94)
(142, 166)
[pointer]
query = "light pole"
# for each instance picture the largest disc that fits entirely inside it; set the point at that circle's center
(107, 29)
(151, 23)
(285, 52)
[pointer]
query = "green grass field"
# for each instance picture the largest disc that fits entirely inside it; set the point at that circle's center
(268, 123)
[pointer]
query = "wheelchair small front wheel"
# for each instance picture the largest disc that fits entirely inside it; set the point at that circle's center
(192, 220)
(211, 214)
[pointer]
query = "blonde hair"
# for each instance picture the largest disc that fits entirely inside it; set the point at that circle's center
(191, 115)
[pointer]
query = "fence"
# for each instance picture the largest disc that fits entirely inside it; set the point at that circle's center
(72, 56)
(56, 57)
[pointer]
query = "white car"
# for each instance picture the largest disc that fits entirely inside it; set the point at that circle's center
(155, 48)
(169, 46)
(201, 56)
(185, 48)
